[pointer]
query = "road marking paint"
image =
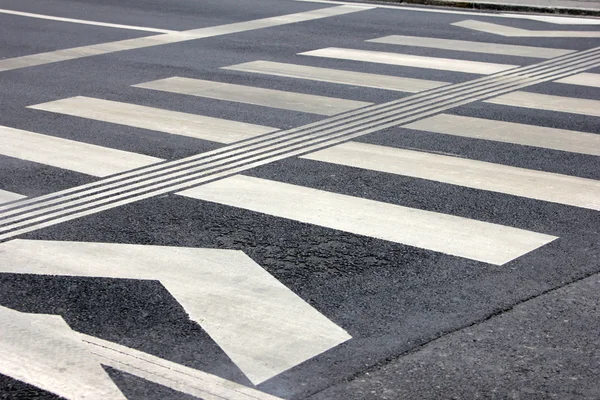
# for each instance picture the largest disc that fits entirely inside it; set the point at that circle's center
(473, 47)
(463, 237)
(539, 101)
(260, 324)
(170, 374)
(510, 132)
(583, 79)
(85, 22)
(302, 102)
(6, 196)
(175, 37)
(563, 20)
(539, 185)
(31, 214)
(386, 82)
(43, 351)
(510, 31)
(69, 154)
(407, 60)
(156, 119)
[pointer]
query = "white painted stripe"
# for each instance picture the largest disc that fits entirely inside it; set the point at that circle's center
(252, 95)
(473, 47)
(510, 132)
(85, 22)
(482, 241)
(263, 326)
(510, 31)
(6, 196)
(169, 374)
(562, 20)
(155, 40)
(156, 119)
(583, 79)
(43, 351)
(69, 154)
(539, 101)
(474, 174)
(386, 82)
(407, 60)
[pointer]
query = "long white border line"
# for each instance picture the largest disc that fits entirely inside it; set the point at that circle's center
(174, 37)
(548, 19)
(84, 22)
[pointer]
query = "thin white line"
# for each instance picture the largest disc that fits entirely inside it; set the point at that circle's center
(175, 37)
(85, 22)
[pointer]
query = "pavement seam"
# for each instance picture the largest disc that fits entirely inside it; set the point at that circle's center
(388, 360)
(483, 5)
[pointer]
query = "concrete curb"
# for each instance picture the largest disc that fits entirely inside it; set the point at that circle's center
(482, 5)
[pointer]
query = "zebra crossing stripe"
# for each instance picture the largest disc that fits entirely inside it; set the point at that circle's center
(156, 119)
(27, 215)
(457, 236)
(583, 79)
(82, 157)
(408, 60)
(6, 196)
(473, 47)
(510, 132)
(385, 82)
(548, 102)
(539, 185)
(302, 102)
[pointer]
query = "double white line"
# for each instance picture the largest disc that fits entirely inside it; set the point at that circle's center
(169, 177)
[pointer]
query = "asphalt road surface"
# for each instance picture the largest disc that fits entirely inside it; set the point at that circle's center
(274, 199)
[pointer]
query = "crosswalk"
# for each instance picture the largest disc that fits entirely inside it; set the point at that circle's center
(214, 176)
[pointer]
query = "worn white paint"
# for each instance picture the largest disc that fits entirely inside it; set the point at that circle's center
(175, 37)
(69, 154)
(156, 119)
(386, 82)
(510, 31)
(474, 174)
(472, 47)
(258, 322)
(409, 60)
(254, 95)
(510, 132)
(43, 351)
(463, 237)
(548, 102)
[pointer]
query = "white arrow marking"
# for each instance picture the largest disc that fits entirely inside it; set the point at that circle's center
(260, 324)
(43, 351)
(510, 31)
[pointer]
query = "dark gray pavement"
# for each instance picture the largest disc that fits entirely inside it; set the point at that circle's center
(424, 324)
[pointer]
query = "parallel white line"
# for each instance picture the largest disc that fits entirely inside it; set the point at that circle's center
(583, 79)
(548, 102)
(83, 21)
(302, 102)
(539, 185)
(462, 237)
(155, 40)
(500, 83)
(69, 154)
(407, 60)
(511, 31)
(386, 82)
(334, 135)
(6, 196)
(510, 132)
(473, 47)
(156, 119)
